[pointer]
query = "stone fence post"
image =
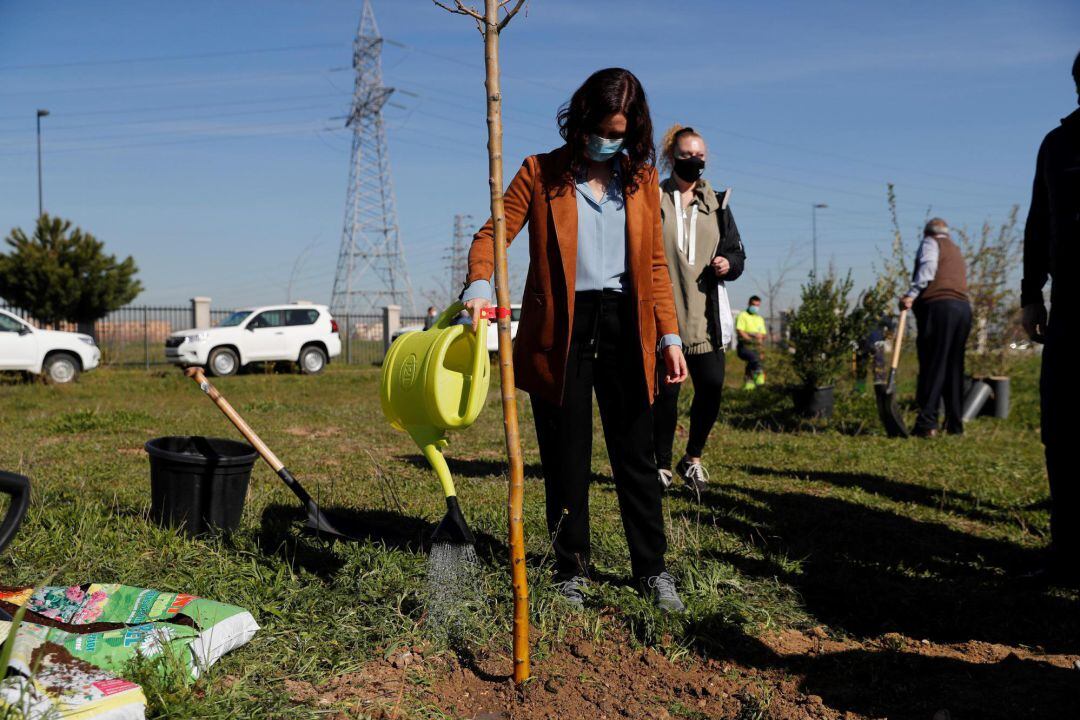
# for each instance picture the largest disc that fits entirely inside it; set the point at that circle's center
(200, 312)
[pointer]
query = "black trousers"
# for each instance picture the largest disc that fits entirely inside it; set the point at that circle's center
(1059, 398)
(752, 357)
(707, 372)
(944, 326)
(605, 357)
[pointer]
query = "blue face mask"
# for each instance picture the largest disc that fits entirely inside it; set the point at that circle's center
(753, 309)
(600, 149)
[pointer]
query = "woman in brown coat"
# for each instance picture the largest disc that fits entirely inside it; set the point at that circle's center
(597, 305)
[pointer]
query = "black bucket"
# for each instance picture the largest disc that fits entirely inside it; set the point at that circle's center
(814, 402)
(198, 484)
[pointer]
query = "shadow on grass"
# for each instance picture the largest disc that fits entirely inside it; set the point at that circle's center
(898, 684)
(283, 535)
(772, 408)
(868, 571)
(484, 468)
(943, 499)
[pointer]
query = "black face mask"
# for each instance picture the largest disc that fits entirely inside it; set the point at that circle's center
(689, 169)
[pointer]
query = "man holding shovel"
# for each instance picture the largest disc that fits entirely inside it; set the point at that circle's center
(938, 293)
(1050, 242)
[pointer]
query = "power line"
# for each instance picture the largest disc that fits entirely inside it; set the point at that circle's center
(169, 58)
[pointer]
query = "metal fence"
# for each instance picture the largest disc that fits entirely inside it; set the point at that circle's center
(362, 336)
(131, 335)
(135, 334)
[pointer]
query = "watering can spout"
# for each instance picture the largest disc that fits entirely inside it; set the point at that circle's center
(453, 529)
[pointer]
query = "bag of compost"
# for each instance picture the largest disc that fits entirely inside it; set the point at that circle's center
(109, 624)
(46, 682)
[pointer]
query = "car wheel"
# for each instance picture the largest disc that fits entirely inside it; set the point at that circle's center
(312, 360)
(61, 369)
(223, 362)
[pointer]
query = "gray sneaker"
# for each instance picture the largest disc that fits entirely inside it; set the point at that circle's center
(572, 591)
(662, 590)
(695, 476)
(664, 476)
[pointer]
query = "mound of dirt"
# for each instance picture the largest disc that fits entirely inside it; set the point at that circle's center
(611, 679)
(786, 675)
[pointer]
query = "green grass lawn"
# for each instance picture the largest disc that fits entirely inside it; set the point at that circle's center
(806, 526)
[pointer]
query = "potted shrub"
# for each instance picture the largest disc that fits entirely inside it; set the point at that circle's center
(822, 333)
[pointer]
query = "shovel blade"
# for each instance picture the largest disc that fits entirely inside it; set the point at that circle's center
(324, 524)
(889, 412)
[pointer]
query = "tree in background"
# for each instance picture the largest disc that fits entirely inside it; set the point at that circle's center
(822, 330)
(895, 275)
(63, 274)
(993, 261)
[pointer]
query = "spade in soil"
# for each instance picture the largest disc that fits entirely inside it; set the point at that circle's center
(888, 410)
(319, 521)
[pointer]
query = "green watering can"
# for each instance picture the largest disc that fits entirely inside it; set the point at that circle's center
(433, 381)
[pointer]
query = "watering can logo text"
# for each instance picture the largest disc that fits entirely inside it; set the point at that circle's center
(408, 372)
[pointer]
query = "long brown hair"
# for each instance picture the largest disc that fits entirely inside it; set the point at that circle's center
(608, 92)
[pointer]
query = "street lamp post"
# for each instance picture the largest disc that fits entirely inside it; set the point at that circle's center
(40, 207)
(813, 224)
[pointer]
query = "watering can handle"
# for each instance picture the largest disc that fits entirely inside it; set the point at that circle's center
(18, 487)
(492, 312)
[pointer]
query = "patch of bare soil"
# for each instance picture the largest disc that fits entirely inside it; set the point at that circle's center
(784, 675)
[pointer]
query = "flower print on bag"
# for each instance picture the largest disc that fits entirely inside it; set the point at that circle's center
(91, 608)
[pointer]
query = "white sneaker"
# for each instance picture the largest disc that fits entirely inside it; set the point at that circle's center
(664, 476)
(695, 476)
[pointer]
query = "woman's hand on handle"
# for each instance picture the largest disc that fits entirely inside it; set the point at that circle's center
(675, 364)
(476, 307)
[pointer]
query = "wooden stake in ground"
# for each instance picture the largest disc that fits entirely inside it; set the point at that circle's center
(490, 26)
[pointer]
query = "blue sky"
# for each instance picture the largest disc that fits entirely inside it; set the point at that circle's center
(207, 139)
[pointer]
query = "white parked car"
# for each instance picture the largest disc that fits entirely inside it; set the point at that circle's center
(492, 334)
(59, 356)
(300, 333)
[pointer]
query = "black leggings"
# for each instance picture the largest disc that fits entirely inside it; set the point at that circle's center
(707, 372)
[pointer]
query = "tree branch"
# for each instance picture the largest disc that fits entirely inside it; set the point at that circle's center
(509, 13)
(460, 9)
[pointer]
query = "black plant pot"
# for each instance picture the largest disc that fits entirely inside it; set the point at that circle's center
(814, 402)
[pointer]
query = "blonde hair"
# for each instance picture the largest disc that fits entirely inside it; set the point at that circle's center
(670, 140)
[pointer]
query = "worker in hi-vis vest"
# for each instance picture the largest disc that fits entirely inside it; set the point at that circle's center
(750, 327)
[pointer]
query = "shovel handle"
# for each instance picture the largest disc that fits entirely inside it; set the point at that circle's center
(899, 340)
(196, 374)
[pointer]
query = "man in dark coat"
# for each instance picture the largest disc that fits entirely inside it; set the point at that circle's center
(1050, 243)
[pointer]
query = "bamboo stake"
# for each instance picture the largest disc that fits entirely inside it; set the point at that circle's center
(490, 27)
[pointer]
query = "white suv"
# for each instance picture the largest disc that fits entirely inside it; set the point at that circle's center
(59, 356)
(304, 334)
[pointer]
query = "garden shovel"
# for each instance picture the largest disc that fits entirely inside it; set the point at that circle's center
(318, 520)
(886, 391)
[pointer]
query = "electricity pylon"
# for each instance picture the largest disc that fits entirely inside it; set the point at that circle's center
(371, 269)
